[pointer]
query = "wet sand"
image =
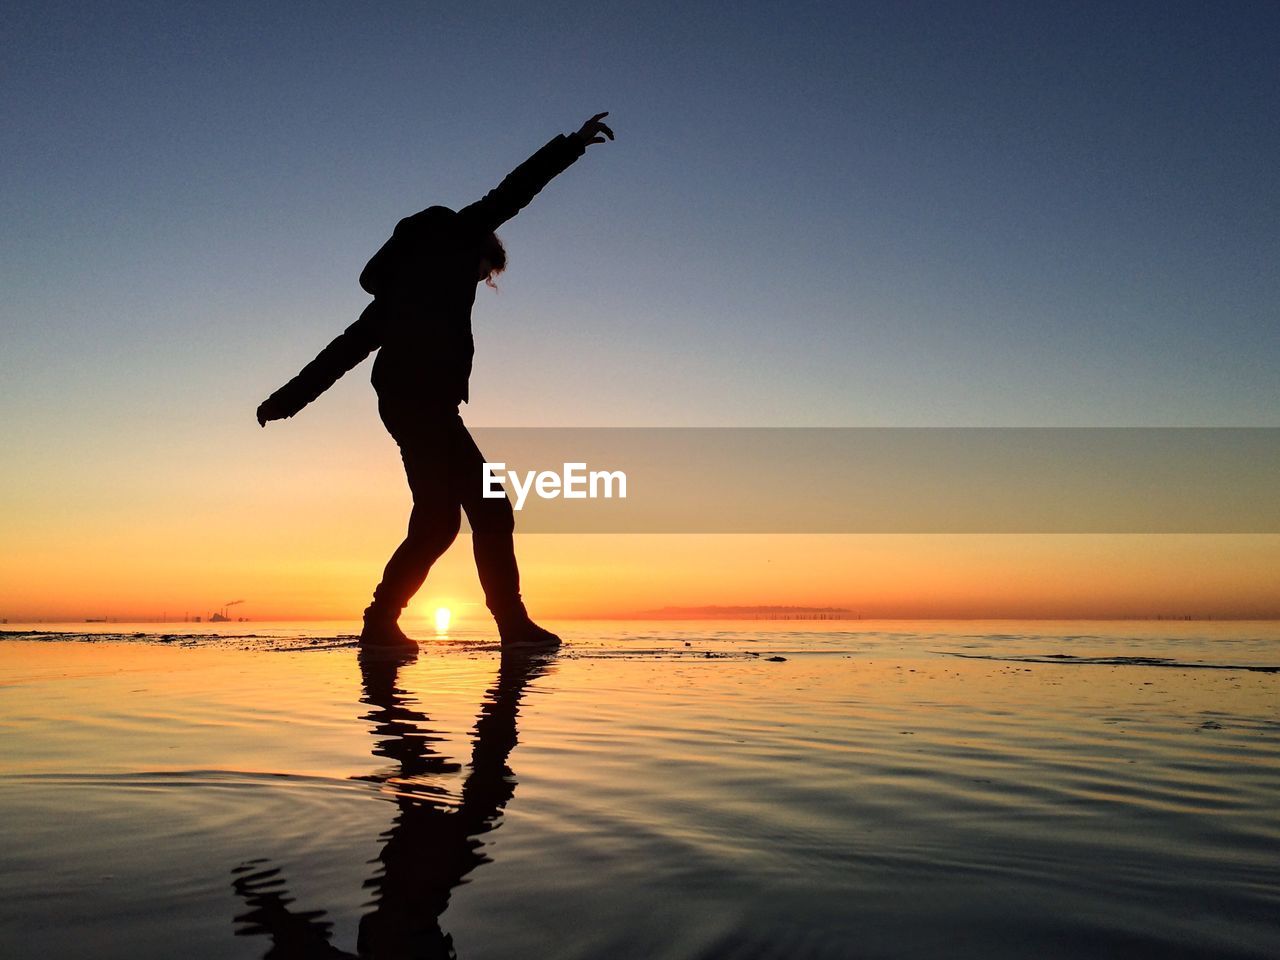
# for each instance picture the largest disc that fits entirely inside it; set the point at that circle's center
(657, 790)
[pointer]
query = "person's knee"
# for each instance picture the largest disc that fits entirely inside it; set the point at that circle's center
(492, 516)
(432, 532)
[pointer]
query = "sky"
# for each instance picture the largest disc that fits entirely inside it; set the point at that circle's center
(896, 214)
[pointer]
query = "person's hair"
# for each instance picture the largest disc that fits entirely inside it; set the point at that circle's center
(492, 250)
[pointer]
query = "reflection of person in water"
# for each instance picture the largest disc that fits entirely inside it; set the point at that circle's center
(430, 847)
(424, 284)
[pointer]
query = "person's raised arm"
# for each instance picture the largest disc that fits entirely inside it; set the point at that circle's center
(523, 183)
(344, 352)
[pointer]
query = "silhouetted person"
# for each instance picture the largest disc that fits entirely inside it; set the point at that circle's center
(424, 283)
(431, 847)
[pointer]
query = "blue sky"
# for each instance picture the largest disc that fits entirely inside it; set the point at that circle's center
(821, 214)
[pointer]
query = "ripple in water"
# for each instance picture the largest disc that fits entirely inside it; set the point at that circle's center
(861, 798)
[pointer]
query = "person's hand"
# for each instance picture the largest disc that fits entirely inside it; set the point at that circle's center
(591, 130)
(270, 409)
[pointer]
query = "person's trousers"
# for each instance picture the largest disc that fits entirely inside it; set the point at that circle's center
(444, 467)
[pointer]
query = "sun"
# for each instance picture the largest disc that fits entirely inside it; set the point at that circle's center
(443, 616)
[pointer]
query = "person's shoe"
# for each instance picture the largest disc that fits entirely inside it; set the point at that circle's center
(385, 633)
(524, 634)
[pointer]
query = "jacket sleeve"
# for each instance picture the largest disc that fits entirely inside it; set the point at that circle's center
(523, 183)
(344, 352)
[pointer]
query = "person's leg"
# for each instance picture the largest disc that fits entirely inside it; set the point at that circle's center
(433, 526)
(492, 527)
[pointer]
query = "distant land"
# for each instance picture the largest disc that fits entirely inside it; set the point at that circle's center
(746, 613)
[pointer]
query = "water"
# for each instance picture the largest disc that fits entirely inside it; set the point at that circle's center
(657, 790)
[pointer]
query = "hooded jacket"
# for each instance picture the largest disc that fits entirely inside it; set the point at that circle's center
(423, 280)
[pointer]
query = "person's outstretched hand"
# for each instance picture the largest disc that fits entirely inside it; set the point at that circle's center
(270, 409)
(592, 130)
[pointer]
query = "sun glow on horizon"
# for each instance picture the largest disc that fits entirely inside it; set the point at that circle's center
(443, 616)
(62, 578)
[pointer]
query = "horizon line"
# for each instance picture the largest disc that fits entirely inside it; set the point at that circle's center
(628, 617)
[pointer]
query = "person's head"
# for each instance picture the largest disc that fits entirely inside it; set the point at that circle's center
(493, 259)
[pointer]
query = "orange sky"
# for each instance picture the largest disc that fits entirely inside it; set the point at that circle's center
(299, 521)
(291, 572)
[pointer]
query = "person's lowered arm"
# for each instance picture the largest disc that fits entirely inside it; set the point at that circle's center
(523, 183)
(347, 349)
